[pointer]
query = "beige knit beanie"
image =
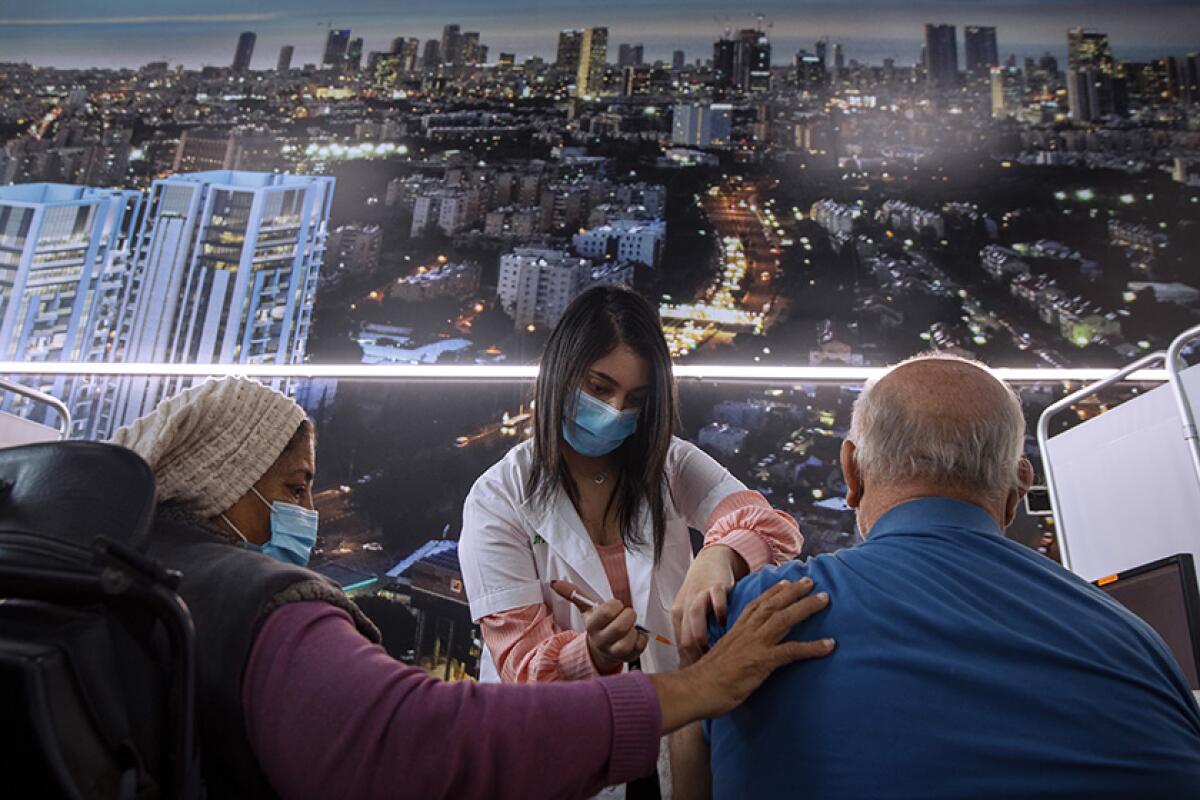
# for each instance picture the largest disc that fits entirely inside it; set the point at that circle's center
(209, 444)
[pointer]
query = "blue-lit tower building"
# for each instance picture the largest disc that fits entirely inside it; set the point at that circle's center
(65, 254)
(225, 272)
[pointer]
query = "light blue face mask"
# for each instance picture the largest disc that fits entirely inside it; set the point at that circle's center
(293, 532)
(599, 428)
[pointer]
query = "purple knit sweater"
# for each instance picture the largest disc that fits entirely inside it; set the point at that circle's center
(331, 715)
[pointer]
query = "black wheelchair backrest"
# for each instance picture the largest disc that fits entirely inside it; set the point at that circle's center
(96, 648)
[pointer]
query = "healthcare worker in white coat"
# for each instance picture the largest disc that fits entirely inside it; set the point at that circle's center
(602, 497)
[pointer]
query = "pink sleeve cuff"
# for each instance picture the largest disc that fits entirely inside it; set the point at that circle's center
(749, 545)
(761, 535)
(575, 661)
(736, 502)
(636, 729)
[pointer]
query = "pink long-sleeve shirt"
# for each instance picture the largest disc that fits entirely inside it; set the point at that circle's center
(329, 714)
(528, 646)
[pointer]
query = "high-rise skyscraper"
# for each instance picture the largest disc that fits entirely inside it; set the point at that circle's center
(397, 45)
(1192, 74)
(839, 57)
(810, 71)
(1174, 76)
(409, 53)
(1008, 91)
(226, 273)
(335, 49)
(384, 69)
(1088, 48)
(941, 55)
(635, 80)
(375, 57)
(630, 55)
(244, 52)
(470, 50)
(1086, 94)
(823, 52)
(979, 46)
(752, 61)
(593, 58)
(724, 57)
(354, 54)
(452, 45)
(65, 253)
(285, 58)
(433, 54)
(678, 59)
(1091, 74)
(566, 61)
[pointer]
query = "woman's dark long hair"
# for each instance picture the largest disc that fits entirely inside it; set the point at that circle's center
(595, 324)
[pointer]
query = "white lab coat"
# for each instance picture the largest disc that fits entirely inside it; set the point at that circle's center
(511, 548)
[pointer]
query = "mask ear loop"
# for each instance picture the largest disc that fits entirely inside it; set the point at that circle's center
(235, 529)
(571, 410)
(258, 494)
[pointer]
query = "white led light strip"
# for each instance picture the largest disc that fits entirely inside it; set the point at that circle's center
(475, 372)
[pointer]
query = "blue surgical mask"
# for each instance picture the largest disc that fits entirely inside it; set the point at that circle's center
(599, 428)
(293, 532)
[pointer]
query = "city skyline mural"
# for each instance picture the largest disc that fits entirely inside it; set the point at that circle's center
(790, 184)
(130, 33)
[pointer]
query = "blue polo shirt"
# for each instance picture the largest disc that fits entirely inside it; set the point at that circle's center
(967, 666)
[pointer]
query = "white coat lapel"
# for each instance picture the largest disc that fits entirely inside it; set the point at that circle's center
(573, 555)
(639, 562)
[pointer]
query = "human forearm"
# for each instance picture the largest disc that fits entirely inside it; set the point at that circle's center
(528, 647)
(681, 699)
(744, 535)
(352, 722)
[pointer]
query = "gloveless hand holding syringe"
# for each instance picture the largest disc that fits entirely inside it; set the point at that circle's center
(571, 592)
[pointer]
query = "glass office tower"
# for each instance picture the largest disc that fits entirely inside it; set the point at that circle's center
(225, 273)
(64, 258)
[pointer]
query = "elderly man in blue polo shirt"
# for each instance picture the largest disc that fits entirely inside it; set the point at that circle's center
(967, 666)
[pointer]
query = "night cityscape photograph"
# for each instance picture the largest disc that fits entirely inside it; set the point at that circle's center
(790, 184)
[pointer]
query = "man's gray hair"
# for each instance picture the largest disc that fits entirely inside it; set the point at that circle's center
(954, 441)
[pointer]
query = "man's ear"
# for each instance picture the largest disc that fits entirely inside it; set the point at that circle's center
(851, 474)
(1017, 493)
(1025, 475)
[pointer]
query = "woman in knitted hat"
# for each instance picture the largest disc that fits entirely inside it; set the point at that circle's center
(295, 699)
(235, 457)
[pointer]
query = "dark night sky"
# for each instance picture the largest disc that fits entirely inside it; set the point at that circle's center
(80, 33)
